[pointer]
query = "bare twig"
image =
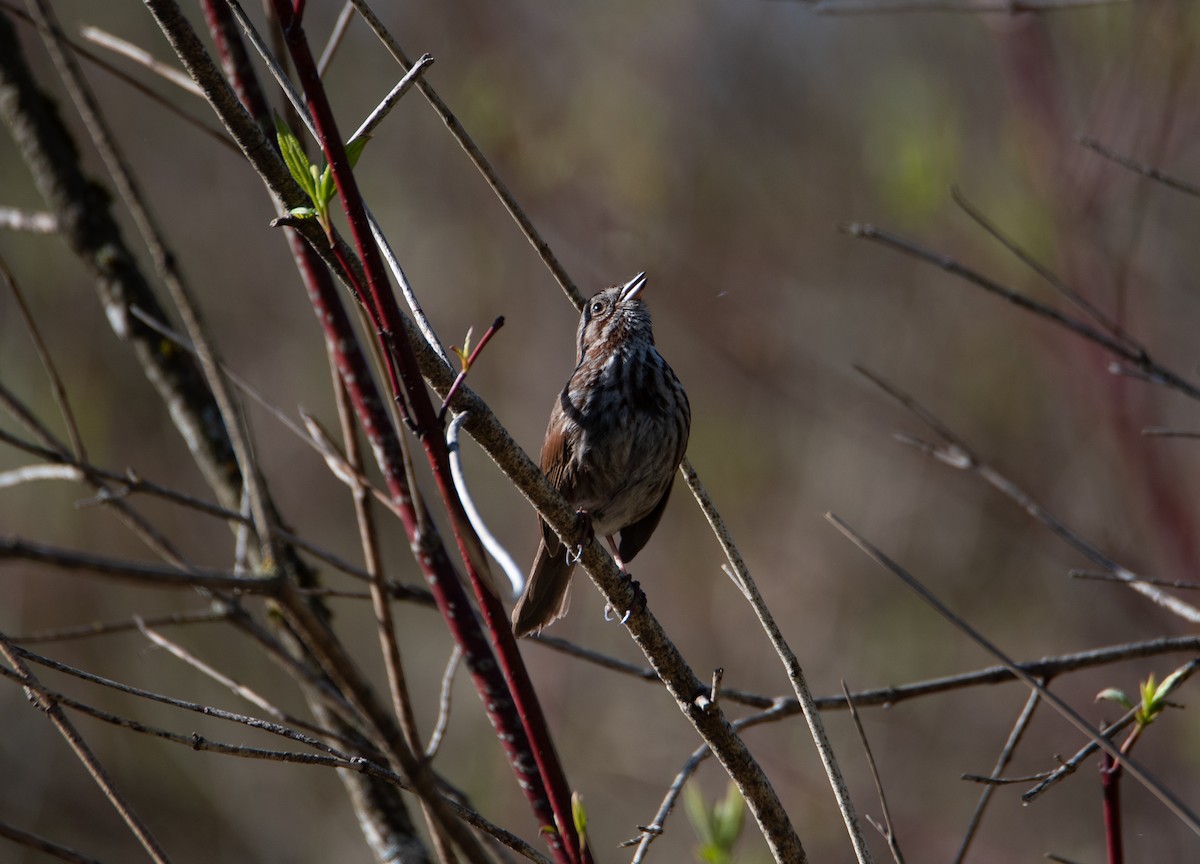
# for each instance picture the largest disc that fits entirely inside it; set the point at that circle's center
(1026, 258)
(1165, 795)
(129, 81)
(38, 697)
(887, 830)
(955, 453)
(791, 663)
(235, 687)
(1163, 432)
(443, 718)
(477, 158)
(1136, 357)
(1179, 677)
(164, 260)
(335, 37)
(151, 575)
(104, 628)
(1182, 584)
(973, 7)
(1010, 746)
(140, 56)
(1140, 167)
(329, 758)
(41, 844)
(389, 102)
(652, 831)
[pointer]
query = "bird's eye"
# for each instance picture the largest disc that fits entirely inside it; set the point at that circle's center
(597, 307)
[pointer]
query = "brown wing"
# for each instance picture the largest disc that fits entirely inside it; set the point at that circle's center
(557, 464)
(634, 536)
(545, 595)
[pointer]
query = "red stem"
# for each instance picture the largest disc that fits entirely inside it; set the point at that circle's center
(548, 784)
(467, 364)
(1110, 786)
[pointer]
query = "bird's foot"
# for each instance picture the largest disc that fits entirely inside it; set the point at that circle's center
(585, 533)
(638, 603)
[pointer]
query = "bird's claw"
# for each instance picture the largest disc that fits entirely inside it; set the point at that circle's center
(585, 533)
(638, 603)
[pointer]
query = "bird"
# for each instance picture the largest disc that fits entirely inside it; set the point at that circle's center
(617, 432)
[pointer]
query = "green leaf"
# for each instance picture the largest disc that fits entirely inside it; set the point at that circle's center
(325, 186)
(355, 148)
(1168, 684)
(302, 212)
(728, 817)
(294, 157)
(579, 817)
(1112, 694)
(697, 813)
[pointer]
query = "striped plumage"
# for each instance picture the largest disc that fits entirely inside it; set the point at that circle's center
(617, 432)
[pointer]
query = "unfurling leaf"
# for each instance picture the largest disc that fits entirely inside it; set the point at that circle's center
(1112, 694)
(294, 157)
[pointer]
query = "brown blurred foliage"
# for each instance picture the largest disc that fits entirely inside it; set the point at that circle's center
(717, 146)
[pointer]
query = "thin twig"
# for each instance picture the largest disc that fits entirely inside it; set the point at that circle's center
(467, 363)
(389, 102)
(477, 158)
(37, 696)
(973, 7)
(955, 453)
(1140, 167)
(237, 688)
(150, 575)
(207, 710)
(329, 758)
(105, 628)
(1010, 746)
(142, 57)
(1165, 795)
(1026, 258)
(1182, 584)
(1139, 360)
(1164, 432)
(791, 663)
(130, 81)
(41, 844)
(447, 691)
(887, 829)
(164, 260)
(652, 831)
(340, 26)
(35, 473)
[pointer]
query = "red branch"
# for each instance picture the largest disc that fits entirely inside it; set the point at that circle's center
(543, 782)
(1110, 786)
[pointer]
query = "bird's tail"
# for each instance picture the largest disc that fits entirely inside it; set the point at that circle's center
(545, 596)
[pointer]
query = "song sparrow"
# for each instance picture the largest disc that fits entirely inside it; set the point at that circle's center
(616, 435)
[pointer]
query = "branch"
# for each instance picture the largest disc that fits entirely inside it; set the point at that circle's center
(149, 575)
(955, 453)
(1169, 798)
(37, 696)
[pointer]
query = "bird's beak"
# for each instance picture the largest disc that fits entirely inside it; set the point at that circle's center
(633, 287)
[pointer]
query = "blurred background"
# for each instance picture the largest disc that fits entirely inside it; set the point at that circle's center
(717, 146)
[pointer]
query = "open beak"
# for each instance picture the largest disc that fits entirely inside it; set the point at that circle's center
(633, 287)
